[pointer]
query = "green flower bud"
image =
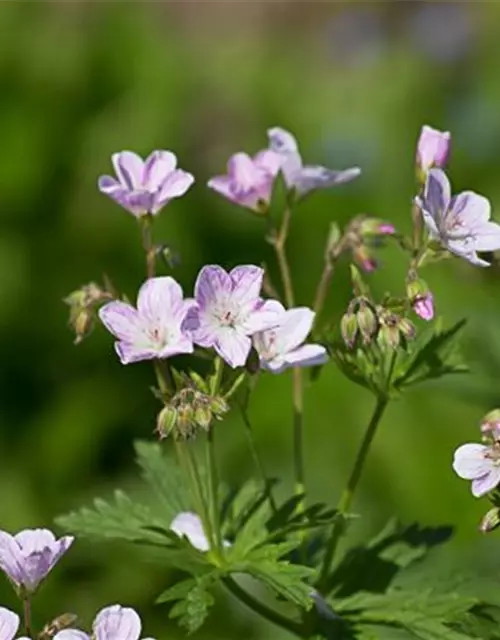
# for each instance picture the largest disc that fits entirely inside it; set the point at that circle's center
(349, 328)
(203, 416)
(407, 328)
(490, 521)
(166, 421)
(490, 424)
(366, 321)
(389, 337)
(82, 321)
(218, 406)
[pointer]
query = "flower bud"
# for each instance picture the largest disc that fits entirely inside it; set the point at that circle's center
(407, 328)
(421, 298)
(82, 321)
(389, 337)
(490, 521)
(376, 227)
(219, 406)
(364, 259)
(433, 148)
(349, 328)
(366, 321)
(203, 416)
(490, 424)
(166, 421)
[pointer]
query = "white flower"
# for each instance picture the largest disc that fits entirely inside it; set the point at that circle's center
(460, 223)
(188, 524)
(282, 347)
(479, 463)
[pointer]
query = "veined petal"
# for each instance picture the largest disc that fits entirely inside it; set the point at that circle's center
(285, 144)
(264, 316)
(437, 195)
(11, 558)
(308, 355)
(107, 185)
(117, 623)
(158, 300)
(9, 624)
(232, 346)
(487, 237)
(157, 166)
(484, 484)
(183, 344)
(246, 283)
(129, 352)
(294, 328)
(129, 168)
(470, 208)
(222, 184)
(122, 320)
(212, 284)
(175, 185)
(469, 461)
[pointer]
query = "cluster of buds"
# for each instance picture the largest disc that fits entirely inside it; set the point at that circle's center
(490, 427)
(188, 411)
(83, 304)
(394, 329)
(360, 320)
(420, 297)
(363, 236)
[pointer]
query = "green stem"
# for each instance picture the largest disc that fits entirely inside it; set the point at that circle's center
(213, 493)
(261, 609)
(27, 615)
(146, 223)
(259, 465)
(348, 493)
(323, 288)
(217, 376)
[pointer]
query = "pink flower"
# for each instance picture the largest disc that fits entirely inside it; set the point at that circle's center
(249, 181)
(283, 346)
(433, 148)
(424, 306)
(30, 555)
(111, 623)
(145, 186)
(155, 328)
(229, 311)
(479, 463)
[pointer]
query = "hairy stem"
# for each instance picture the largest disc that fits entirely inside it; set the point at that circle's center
(259, 465)
(146, 223)
(261, 609)
(323, 288)
(348, 493)
(213, 492)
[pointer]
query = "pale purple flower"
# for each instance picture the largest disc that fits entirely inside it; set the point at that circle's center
(30, 555)
(283, 346)
(9, 624)
(433, 148)
(460, 223)
(111, 623)
(249, 181)
(304, 178)
(188, 524)
(145, 186)
(479, 463)
(156, 328)
(424, 306)
(229, 311)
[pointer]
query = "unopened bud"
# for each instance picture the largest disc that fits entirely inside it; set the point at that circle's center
(421, 298)
(490, 521)
(407, 328)
(82, 322)
(389, 337)
(219, 406)
(364, 259)
(166, 421)
(376, 227)
(203, 416)
(433, 148)
(349, 328)
(60, 623)
(490, 424)
(366, 321)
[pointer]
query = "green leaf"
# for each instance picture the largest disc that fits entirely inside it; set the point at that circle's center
(194, 600)
(164, 477)
(120, 520)
(431, 357)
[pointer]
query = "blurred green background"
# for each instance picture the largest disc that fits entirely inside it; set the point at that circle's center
(354, 82)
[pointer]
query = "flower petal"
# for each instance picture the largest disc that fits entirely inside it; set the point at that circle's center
(122, 320)
(488, 237)
(129, 352)
(9, 624)
(266, 315)
(129, 168)
(470, 208)
(117, 623)
(71, 634)
(316, 177)
(243, 173)
(437, 195)
(189, 524)
(158, 300)
(212, 284)
(175, 185)
(484, 484)
(469, 461)
(294, 328)
(157, 166)
(246, 283)
(308, 355)
(222, 184)
(284, 143)
(232, 346)
(11, 558)
(269, 161)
